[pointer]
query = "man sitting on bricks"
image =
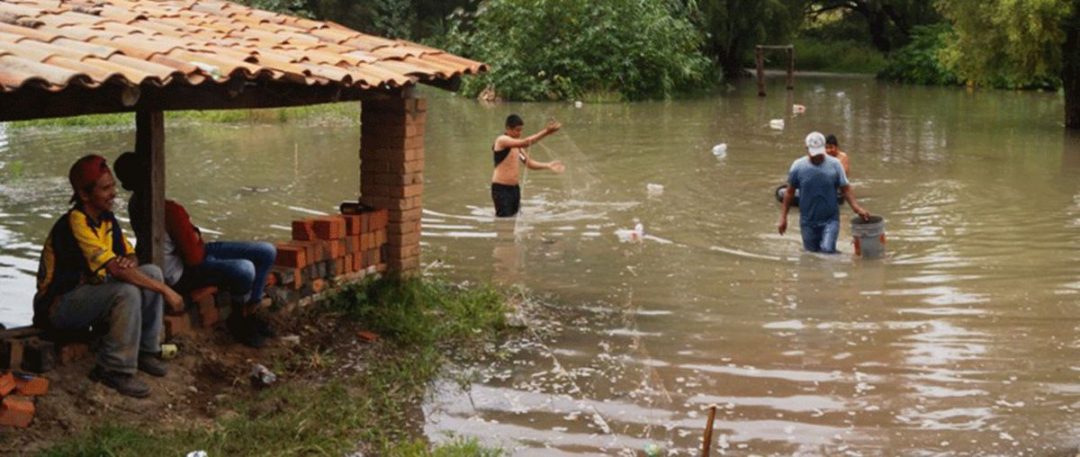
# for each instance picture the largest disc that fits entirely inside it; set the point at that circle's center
(88, 276)
(239, 267)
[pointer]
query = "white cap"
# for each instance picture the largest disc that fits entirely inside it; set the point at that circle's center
(815, 143)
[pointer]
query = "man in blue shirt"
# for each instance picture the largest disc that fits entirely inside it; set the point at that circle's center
(818, 177)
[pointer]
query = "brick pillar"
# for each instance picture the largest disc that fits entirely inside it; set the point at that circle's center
(392, 173)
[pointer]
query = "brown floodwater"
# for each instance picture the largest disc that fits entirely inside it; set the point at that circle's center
(962, 340)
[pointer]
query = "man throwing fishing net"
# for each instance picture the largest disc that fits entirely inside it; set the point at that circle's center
(510, 150)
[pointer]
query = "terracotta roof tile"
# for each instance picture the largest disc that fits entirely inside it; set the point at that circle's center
(53, 44)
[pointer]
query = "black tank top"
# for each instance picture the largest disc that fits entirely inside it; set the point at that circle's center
(500, 155)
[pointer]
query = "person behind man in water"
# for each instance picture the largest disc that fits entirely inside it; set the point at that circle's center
(818, 177)
(505, 190)
(832, 148)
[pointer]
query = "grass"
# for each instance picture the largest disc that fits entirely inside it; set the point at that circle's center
(834, 56)
(422, 319)
(335, 112)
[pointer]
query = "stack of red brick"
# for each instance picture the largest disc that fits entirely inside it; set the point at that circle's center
(17, 391)
(329, 247)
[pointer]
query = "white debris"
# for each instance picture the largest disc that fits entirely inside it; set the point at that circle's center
(720, 150)
(798, 109)
(654, 189)
(776, 124)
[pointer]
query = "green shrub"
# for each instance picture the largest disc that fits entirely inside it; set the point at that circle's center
(843, 56)
(563, 49)
(920, 61)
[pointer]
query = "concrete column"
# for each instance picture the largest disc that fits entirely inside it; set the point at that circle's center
(392, 173)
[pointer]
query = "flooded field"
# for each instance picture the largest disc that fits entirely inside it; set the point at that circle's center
(963, 340)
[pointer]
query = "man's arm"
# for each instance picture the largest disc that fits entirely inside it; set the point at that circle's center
(121, 268)
(504, 141)
(554, 165)
(789, 197)
(849, 197)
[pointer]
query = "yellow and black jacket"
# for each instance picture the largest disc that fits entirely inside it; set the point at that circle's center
(75, 253)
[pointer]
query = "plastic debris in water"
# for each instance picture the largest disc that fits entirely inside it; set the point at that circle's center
(653, 450)
(632, 236)
(654, 189)
(798, 109)
(578, 104)
(720, 150)
(776, 124)
(197, 454)
(262, 376)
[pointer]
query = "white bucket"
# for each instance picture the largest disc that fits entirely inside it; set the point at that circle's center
(869, 236)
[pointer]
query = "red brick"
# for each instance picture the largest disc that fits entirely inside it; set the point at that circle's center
(358, 261)
(36, 386)
(333, 249)
(318, 285)
(381, 238)
(72, 352)
(302, 230)
(352, 224)
(16, 412)
(404, 264)
(379, 219)
(402, 239)
(329, 227)
(352, 243)
(208, 314)
(413, 214)
(203, 295)
(177, 325)
(377, 201)
(7, 384)
(339, 266)
(12, 350)
(291, 256)
(404, 227)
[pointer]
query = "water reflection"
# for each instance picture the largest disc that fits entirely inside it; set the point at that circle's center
(962, 340)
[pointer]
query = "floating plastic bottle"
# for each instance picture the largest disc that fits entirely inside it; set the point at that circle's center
(720, 150)
(776, 124)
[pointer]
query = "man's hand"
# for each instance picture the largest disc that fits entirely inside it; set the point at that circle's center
(126, 262)
(864, 214)
(173, 300)
(782, 226)
(557, 166)
(553, 126)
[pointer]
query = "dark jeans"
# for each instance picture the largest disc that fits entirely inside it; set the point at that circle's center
(132, 316)
(820, 236)
(507, 199)
(239, 267)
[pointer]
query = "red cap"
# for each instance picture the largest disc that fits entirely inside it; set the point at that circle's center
(87, 171)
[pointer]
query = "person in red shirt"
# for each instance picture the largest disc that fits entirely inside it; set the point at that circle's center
(239, 267)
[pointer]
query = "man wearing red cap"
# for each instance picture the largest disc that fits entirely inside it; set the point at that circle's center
(88, 276)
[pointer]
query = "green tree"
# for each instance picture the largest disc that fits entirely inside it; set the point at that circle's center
(1018, 40)
(734, 27)
(563, 49)
(890, 23)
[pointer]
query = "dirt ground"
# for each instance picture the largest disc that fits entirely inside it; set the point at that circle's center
(210, 372)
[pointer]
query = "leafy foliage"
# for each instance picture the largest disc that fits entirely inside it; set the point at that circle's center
(564, 49)
(920, 61)
(1013, 42)
(734, 27)
(837, 56)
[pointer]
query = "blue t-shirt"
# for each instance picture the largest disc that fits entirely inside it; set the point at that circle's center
(817, 186)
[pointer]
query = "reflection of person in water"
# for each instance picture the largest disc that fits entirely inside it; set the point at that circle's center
(505, 191)
(506, 253)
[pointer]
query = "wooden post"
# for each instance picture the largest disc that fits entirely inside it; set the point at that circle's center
(791, 68)
(707, 439)
(150, 140)
(759, 57)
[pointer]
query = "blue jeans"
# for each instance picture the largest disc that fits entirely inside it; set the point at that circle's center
(132, 315)
(239, 267)
(820, 236)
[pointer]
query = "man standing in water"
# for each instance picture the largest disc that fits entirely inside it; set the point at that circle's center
(509, 149)
(818, 176)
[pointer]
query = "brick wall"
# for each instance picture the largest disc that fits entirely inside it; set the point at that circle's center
(392, 173)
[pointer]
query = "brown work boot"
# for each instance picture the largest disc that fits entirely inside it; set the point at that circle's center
(124, 383)
(151, 364)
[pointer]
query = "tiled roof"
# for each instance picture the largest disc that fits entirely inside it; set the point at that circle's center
(52, 45)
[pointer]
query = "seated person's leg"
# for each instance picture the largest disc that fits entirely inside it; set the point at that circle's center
(153, 306)
(259, 255)
(232, 275)
(117, 306)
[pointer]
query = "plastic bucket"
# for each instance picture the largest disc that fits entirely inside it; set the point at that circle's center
(869, 236)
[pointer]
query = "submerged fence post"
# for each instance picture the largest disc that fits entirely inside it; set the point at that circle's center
(759, 57)
(791, 68)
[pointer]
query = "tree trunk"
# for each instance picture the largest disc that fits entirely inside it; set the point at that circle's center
(1070, 67)
(730, 62)
(879, 30)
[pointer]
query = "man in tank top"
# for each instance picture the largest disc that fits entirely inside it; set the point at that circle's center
(509, 152)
